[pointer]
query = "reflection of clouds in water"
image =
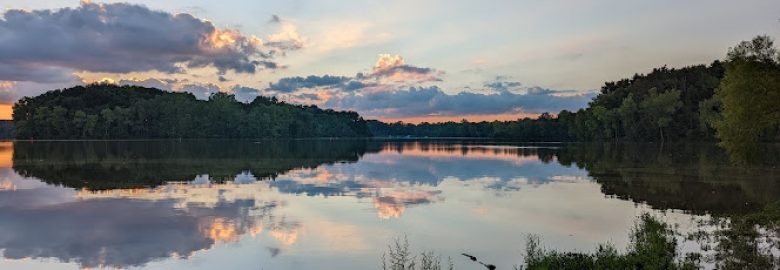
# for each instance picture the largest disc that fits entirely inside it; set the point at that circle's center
(245, 178)
(202, 179)
(7, 184)
(286, 232)
(100, 233)
(392, 204)
(131, 227)
(395, 177)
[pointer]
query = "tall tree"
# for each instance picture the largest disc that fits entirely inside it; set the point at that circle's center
(750, 94)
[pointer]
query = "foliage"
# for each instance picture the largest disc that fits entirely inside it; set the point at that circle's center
(653, 246)
(750, 97)
(739, 100)
(104, 111)
(661, 105)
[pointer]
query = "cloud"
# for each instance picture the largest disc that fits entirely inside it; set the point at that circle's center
(500, 84)
(245, 94)
(162, 84)
(390, 69)
(292, 84)
(49, 45)
(7, 94)
(287, 39)
(200, 91)
(393, 91)
(421, 101)
(394, 68)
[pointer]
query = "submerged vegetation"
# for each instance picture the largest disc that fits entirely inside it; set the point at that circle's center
(741, 242)
(653, 246)
(399, 256)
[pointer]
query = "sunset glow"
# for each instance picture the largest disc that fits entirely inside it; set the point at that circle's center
(420, 67)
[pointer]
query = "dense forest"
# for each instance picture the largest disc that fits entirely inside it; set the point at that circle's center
(736, 100)
(664, 104)
(111, 111)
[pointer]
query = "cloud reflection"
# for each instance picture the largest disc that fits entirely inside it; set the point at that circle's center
(131, 227)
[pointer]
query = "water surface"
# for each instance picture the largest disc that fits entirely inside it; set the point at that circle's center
(323, 204)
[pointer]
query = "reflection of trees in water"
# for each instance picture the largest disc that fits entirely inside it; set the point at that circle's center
(697, 178)
(693, 177)
(129, 164)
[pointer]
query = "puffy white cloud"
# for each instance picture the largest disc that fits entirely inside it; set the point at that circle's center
(287, 39)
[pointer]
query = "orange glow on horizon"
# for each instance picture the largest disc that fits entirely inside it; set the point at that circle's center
(6, 111)
(458, 118)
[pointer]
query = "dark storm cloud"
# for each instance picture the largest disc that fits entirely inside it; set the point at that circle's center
(48, 45)
(422, 101)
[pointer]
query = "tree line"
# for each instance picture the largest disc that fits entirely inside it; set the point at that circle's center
(736, 100)
(103, 111)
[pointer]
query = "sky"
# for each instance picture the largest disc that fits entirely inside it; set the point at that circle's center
(409, 61)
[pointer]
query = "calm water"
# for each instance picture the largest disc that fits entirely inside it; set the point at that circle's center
(336, 204)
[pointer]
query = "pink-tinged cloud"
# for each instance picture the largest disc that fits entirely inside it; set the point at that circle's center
(395, 69)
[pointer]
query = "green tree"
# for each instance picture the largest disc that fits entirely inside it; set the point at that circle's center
(79, 122)
(628, 112)
(750, 96)
(660, 107)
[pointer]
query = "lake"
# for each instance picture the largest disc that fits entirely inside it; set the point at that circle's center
(337, 204)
